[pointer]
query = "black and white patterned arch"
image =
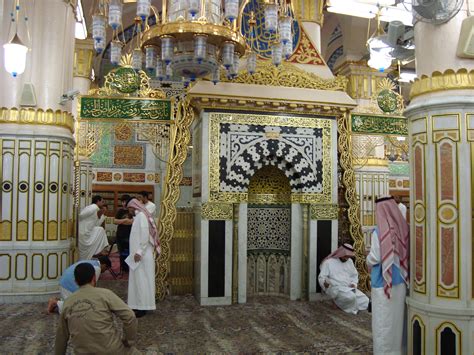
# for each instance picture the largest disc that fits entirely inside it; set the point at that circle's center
(246, 148)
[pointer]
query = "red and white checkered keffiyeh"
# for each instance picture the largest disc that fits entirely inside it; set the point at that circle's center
(134, 203)
(394, 236)
(345, 250)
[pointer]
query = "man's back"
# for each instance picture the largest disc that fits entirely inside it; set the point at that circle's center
(87, 319)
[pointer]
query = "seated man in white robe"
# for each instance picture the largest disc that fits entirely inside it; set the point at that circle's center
(338, 279)
(92, 237)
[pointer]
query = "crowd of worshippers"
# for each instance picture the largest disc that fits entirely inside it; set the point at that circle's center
(86, 312)
(388, 263)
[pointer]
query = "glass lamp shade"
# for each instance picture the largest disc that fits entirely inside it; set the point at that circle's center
(228, 54)
(115, 14)
(252, 63)
(288, 49)
(377, 44)
(234, 69)
(98, 32)
(277, 52)
(215, 78)
(231, 8)
(15, 56)
(193, 7)
(137, 58)
(200, 48)
(115, 52)
(99, 46)
(271, 17)
(169, 72)
(379, 61)
(143, 8)
(159, 70)
(167, 49)
(150, 56)
(285, 29)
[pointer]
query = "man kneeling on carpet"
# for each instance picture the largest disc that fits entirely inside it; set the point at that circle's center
(68, 285)
(87, 318)
(338, 279)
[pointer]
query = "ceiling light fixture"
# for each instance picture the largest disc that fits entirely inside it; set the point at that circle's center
(15, 51)
(196, 38)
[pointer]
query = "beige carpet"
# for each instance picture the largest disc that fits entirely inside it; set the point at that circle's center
(180, 325)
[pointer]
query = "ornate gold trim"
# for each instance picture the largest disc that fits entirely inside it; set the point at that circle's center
(353, 212)
(461, 79)
(37, 117)
(321, 212)
(271, 199)
(217, 211)
(370, 162)
(180, 137)
(288, 75)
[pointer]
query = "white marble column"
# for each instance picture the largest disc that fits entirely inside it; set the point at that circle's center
(36, 154)
(441, 128)
(296, 268)
(242, 259)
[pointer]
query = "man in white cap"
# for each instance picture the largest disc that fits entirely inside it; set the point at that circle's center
(338, 279)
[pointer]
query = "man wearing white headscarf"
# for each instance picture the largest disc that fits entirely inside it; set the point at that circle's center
(143, 243)
(339, 277)
(388, 259)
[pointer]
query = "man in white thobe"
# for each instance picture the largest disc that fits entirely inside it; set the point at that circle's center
(141, 279)
(92, 237)
(338, 278)
(150, 206)
(388, 262)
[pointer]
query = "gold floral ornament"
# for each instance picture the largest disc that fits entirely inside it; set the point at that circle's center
(306, 53)
(125, 81)
(287, 75)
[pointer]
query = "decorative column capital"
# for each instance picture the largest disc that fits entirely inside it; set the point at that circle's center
(309, 10)
(37, 117)
(83, 55)
(461, 79)
(363, 80)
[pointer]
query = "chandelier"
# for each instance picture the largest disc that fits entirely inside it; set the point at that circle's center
(196, 38)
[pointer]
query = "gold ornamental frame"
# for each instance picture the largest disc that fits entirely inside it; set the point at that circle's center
(344, 147)
(182, 116)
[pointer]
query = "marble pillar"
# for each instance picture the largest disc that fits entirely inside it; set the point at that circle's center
(441, 127)
(36, 156)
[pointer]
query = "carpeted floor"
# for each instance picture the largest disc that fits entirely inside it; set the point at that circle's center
(180, 325)
(115, 274)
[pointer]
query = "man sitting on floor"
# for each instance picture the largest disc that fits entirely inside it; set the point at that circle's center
(68, 285)
(87, 318)
(338, 278)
